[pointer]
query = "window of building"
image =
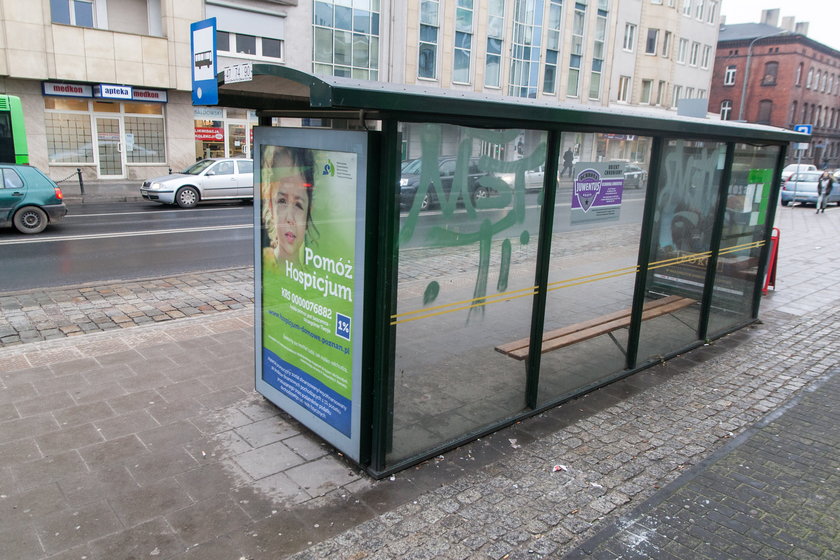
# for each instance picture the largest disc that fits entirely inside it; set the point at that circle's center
(695, 51)
(652, 39)
(624, 88)
(686, 7)
(682, 51)
(824, 82)
(677, 94)
(798, 80)
(72, 12)
(689, 93)
(660, 92)
(346, 39)
(707, 56)
(598, 47)
(463, 42)
(656, 2)
(666, 45)
(429, 27)
(578, 29)
(712, 13)
(237, 44)
(552, 46)
(729, 75)
(629, 36)
(793, 109)
(698, 9)
(495, 38)
(810, 78)
(525, 51)
(771, 69)
(726, 110)
(765, 111)
(647, 86)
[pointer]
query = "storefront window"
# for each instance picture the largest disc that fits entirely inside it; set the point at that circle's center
(78, 133)
(69, 138)
(144, 140)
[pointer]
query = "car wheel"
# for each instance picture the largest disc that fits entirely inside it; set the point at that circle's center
(186, 197)
(786, 202)
(426, 203)
(30, 219)
(480, 192)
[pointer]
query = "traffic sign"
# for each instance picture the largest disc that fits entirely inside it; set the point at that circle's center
(806, 128)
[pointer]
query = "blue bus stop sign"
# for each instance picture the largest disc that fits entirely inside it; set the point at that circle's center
(806, 128)
(205, 90)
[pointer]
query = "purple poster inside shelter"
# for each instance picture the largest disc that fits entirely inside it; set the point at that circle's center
(597, 190)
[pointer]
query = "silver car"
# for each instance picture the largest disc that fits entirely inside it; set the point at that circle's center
(208, 179)
(802, 188)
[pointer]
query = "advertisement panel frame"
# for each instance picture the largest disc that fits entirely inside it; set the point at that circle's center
(287, 384)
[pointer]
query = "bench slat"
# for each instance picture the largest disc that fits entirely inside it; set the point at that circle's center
(572, 334)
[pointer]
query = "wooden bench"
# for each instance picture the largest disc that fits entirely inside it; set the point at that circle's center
(606, 324)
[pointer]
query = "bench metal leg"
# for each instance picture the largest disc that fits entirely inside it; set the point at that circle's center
(617, 343)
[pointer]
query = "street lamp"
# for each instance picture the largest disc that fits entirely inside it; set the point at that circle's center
(747, 71)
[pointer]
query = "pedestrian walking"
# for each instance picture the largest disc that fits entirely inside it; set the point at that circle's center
(824, 186)
(568, 162)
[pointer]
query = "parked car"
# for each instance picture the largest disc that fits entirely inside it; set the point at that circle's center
(410, 182)
(207, 179)
(534, 178)
(795, 168)
(634, 176)
(802, 187)
(29, 200)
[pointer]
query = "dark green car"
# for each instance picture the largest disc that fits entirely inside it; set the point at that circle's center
(29, 200)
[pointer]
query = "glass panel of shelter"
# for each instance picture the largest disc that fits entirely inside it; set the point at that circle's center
(680, 247)
(598, 215)
(467, 262)
(467, 254)
(744, 230)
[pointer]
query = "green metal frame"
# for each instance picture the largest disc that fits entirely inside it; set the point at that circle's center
(282, 91)
(714, 242)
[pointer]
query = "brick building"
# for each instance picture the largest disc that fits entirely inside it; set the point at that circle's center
(790, 80)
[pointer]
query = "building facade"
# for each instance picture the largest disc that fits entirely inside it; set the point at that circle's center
(106, 83)
(776, 75)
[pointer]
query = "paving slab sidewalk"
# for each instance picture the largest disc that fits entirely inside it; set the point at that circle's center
(149, 442)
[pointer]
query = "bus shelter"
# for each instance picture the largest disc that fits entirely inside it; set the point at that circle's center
(433, 265)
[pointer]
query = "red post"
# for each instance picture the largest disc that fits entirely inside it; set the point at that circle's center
(770, 278)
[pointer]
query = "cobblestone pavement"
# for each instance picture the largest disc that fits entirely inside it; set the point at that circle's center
(773, 494)
(150, 442)
(547, 497)
(60, 312)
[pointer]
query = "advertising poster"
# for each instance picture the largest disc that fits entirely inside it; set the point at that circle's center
(597, 189)
(308, 206)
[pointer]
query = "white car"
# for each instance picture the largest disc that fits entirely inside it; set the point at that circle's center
(796, 168)
(208, 179)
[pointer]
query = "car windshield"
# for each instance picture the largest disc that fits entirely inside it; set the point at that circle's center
(198, 167)
(411, 167)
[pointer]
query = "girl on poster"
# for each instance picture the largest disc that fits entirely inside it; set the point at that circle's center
(287, 189)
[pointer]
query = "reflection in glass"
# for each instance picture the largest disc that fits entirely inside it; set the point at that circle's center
(468, 236)
(680, 246)
(744, 228)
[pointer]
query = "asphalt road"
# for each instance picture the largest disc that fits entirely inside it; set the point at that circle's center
(130, 240)
(122, 241)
